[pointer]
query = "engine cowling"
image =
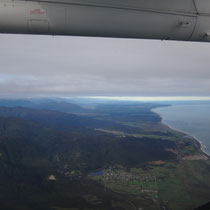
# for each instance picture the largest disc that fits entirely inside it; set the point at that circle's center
(149, 19)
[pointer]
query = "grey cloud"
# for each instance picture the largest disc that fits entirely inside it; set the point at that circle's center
(69, 66)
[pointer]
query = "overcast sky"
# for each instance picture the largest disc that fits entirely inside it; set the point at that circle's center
(78, 66)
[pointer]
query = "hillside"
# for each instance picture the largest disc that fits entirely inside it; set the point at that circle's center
(30, 152)
(56, 160)
(59, 119)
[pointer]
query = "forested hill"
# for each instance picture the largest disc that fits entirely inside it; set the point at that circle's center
(31, 150)
(47, 159)
(59, 119)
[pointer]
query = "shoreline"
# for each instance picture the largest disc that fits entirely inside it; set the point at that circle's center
(200, 143)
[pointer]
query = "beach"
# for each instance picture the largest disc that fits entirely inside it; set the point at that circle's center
(190, 120)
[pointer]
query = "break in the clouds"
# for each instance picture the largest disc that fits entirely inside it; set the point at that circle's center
(78, 66)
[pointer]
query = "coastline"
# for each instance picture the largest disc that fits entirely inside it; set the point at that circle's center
(199, 142)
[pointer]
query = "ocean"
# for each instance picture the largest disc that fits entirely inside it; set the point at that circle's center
(190, 119)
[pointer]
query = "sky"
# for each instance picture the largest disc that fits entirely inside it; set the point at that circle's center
(58, 66)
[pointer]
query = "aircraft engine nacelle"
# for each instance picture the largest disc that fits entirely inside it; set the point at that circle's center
(187, 20)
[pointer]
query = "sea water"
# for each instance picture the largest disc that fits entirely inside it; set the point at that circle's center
(190, 119)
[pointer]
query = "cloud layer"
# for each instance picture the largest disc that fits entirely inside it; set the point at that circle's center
(78, 66)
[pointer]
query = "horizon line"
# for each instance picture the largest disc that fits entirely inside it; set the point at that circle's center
(152, 98)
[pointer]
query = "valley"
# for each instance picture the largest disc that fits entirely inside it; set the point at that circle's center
(117, 156)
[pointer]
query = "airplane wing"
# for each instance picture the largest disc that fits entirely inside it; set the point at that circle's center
(187, 20)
